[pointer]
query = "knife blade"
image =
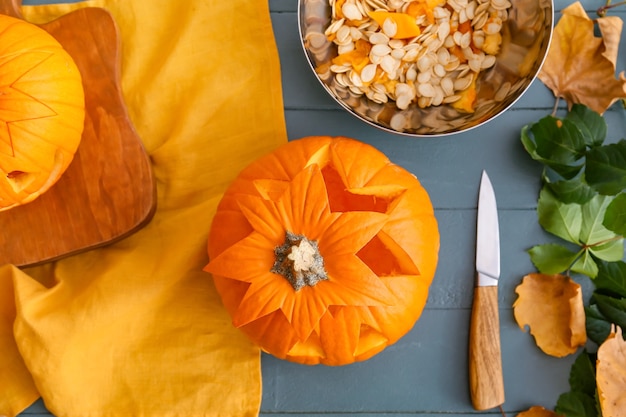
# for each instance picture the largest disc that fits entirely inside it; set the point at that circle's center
(485, 359)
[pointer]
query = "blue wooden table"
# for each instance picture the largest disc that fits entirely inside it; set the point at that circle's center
(425, 373)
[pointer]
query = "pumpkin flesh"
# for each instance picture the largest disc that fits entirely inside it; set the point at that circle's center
(374, 227)
(41, 111)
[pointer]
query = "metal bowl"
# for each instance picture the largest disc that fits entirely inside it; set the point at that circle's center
(525, 38)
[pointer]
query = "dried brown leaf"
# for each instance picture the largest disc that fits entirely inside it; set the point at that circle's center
(552, 307)
(580, 67)
(537, 411)
(611, 375)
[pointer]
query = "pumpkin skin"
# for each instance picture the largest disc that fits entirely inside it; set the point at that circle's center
(42, 111)
(372, 224)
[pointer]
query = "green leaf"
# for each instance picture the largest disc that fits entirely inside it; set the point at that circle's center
(598, 327)
(582, 376)
(576, 404)
(530, 146)
(615, 216)
(552, 258)
(612, 277)
(557, 143)
(611, 251)
(592, 230)
(572, 191)
(606, 168)
(591, 124)
(586, 265)
(562, 220)
(614, 309)
(559, 140)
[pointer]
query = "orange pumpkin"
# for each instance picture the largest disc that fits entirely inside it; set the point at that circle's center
(323, 251)
(42, 111)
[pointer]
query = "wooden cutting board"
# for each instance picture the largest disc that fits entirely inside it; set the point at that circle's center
(108, 191)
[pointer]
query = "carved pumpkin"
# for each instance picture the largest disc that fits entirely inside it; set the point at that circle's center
(42, 111)
(323, 251)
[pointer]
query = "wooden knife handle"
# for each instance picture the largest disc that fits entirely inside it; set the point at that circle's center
(485, 360)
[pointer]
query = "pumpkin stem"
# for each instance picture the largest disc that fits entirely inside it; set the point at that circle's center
(299, 261)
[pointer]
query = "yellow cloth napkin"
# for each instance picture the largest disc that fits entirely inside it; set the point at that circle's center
(136, 328)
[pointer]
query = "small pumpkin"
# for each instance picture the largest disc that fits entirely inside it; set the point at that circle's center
(323, 251)
(42, 111)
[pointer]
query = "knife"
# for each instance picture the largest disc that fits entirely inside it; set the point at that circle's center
(485, 361)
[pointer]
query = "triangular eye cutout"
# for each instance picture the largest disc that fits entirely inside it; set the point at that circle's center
(341, 199)
(19, 180)
(386, 258)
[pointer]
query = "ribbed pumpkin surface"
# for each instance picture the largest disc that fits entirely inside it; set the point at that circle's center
(324, 251)
(42, 111)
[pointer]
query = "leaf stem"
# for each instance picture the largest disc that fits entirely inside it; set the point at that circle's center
(555, 107)
(602, 242)
(602, 10)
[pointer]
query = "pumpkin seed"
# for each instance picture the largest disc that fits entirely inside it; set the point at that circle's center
(500, 4)
(424, 77)
(377, 4)
(426, 90)
(381, 49)
(344, 49)
(488, 62)
(424, 102)
(396, 43)
(411, 73)
(398, 53)
(334, 27)
(451, 99)
(368, 73)
(398, 122)
(438, 97)
(390, 28)
(343, 35)
(363, 8)
(447, 85)
(377, 38)
(461, 84)
(389, 64)
(403, 101)
(491, 28)
(411, 55)
(439, 70)
(351, 11)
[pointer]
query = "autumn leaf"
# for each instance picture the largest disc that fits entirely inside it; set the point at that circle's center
(552, 307)
(537, 411)
(611, 374)
(580, 67)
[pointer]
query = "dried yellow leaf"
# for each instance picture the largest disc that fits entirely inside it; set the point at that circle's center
(537, 411)
(552, 307)
(611, 374)
(580, 67)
